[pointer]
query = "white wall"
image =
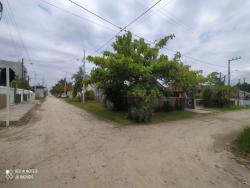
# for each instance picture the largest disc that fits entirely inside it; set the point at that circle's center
(3, 90)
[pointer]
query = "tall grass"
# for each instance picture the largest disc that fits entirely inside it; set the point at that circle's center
(242, 143)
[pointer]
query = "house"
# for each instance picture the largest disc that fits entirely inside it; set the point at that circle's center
(40, 91)
(17, 71)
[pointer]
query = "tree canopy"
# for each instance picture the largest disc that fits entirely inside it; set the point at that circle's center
(134, 68)
(214, 79)
(59, 87)
(78, 81)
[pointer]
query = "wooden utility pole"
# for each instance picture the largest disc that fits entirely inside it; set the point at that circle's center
(83, 87)
(244, 81)
(22, 70)
(65, 87)
(7, 96)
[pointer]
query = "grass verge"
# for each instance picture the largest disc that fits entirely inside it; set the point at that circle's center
(100, 110)
(159, 117)
(242, 143)
(121, 117)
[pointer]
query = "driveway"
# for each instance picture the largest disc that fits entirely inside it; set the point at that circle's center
(69, 147)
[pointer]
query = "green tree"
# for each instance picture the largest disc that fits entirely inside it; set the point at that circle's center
(21, 84)
(218, 95)
(133, 69)
(59, 87)
(214, 79)
(78, 81)
(244, 86)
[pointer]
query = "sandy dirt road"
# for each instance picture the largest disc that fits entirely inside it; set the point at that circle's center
(72, 148)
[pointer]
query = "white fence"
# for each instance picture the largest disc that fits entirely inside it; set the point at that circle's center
(244, 102)
(241, 102)
(21, 92)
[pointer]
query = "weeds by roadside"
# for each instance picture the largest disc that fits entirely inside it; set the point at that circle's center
(122, 117)
(242, 143)
(241, 148)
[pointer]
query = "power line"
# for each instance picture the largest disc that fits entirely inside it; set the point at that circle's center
(141, 15)
(10, 32)
(120, 28)
(133, 21)
(155, 12)
(73, 14)
(129, 24)
(195, 59)
(172, 19)
(100, 17)
(18, 31)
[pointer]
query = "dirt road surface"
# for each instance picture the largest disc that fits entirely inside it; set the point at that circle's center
(72, 148)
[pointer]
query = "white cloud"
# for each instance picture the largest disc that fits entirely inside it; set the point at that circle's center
(212, 31)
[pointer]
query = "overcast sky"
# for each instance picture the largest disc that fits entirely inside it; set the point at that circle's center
(208, 33)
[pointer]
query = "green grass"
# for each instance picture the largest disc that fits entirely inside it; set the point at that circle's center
(99, 110)
(233, 108)
(121, 117)
(171, 116)
(242, 143)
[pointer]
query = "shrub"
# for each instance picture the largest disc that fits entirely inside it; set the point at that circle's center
(89, 95)
(168, 107)
(217, 96)
(207, 96)
(179, 104)
(140, 114)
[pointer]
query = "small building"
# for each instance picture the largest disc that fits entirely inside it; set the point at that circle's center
(40, 91)
(17, 71)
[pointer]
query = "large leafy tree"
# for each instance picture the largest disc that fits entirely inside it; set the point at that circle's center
(244, 86)
(135, 67)
(59, 87)
(214, 79)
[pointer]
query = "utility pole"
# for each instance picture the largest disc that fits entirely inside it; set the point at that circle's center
(8, 96)
(239, 93)
(244, 81)
(1, 10)
(22, 69)
(83, 87)
(65, 87)
(7, 80)
(229, 64)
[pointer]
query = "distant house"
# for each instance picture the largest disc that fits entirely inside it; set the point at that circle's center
(40, 91)
(97, 91)
(17, 71)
